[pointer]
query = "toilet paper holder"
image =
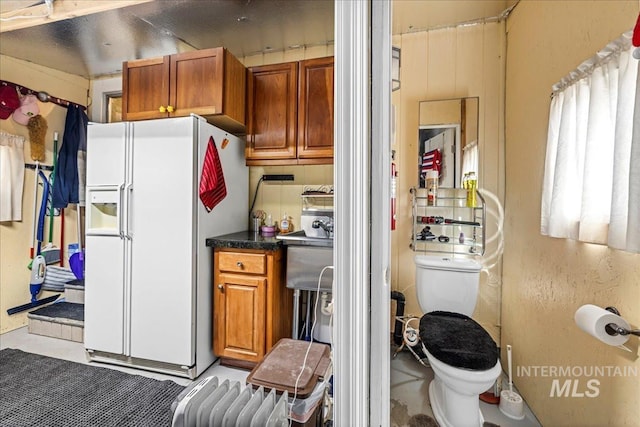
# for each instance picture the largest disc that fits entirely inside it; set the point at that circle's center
(613, 329)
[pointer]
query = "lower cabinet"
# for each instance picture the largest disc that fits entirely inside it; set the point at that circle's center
(252, 306)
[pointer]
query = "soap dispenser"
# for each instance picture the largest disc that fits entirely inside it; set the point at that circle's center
(284, 224)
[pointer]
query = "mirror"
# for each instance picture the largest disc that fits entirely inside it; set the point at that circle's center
(448, 140)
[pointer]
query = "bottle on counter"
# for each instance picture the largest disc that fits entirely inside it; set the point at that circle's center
(432, 187)
(284, 224)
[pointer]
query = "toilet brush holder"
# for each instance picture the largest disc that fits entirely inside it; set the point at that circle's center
(511, 403)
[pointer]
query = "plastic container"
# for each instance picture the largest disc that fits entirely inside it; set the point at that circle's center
(73, 248)
(471, 186)
(432, 187)
(322, 328)
(268, 230)
(303, 409)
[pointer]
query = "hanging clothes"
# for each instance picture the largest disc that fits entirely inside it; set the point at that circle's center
(66, 180)
(11, 176)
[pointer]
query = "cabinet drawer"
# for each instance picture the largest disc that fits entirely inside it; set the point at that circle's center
(239, 262)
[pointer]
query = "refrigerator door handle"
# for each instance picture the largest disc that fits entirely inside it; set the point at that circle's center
(120, 219)
(128, 193)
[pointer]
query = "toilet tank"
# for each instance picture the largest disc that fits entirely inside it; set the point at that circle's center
(447, 284)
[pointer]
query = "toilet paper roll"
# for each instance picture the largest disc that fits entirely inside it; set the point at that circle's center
(593, 319)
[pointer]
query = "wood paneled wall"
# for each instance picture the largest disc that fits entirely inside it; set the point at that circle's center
(458, 62)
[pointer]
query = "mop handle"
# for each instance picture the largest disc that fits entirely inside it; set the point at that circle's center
(79, 227)
(53, 174)
(35, 215)
(510, 373)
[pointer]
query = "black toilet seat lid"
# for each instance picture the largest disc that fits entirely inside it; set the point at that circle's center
(458, 341)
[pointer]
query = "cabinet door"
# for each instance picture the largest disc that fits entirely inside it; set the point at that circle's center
(239, 316)
(145, 88)
(272, 114)
(315, 111)
(196, 82)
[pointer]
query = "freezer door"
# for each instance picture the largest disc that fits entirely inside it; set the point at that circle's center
(106, 157)
(162, 228)
(104, 294)
(105, 291)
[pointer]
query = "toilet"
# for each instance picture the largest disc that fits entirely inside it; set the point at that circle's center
(463, 356)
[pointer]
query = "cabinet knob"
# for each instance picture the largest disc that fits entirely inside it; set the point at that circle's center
(162, 109)
(170, 108)
(221, 287)
(239, 264)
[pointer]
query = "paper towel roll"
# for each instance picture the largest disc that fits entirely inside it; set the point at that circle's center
(593, 319)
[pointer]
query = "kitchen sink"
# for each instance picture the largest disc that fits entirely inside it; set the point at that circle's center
(309, 251)
(304, 265)
(306, 257)
(300, 238)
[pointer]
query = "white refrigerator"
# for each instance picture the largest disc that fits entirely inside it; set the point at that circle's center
(148, 272)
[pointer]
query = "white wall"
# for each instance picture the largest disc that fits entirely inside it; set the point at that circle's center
(465, 61)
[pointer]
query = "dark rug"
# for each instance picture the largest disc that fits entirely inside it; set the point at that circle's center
(67, 310)
(422, 420)
(41, 391)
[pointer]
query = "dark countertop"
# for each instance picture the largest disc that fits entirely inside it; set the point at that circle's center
(244, 240)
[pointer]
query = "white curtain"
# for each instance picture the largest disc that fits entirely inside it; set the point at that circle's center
(591, 188)
(11, 176)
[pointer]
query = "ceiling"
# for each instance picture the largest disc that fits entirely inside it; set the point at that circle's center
(83, 39)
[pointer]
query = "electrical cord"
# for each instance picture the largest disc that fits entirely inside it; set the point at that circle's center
(255, 196)
(410, 339)
(306, 356)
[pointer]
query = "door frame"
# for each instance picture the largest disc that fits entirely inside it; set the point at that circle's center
(362, 213)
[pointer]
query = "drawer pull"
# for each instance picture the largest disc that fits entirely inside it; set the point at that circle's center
(221, 287)
(239, 264)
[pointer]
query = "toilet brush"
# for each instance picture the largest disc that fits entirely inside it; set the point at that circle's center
(511, 403)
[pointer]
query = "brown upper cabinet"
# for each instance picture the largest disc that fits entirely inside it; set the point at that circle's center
(290, 113)
(208, 82)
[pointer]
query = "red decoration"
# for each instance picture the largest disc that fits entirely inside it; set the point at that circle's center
(636, 33)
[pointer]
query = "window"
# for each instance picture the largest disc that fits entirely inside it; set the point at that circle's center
(113, 107)
(591, 188)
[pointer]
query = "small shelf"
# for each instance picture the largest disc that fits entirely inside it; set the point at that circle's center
(450, 218)
(318, 196)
